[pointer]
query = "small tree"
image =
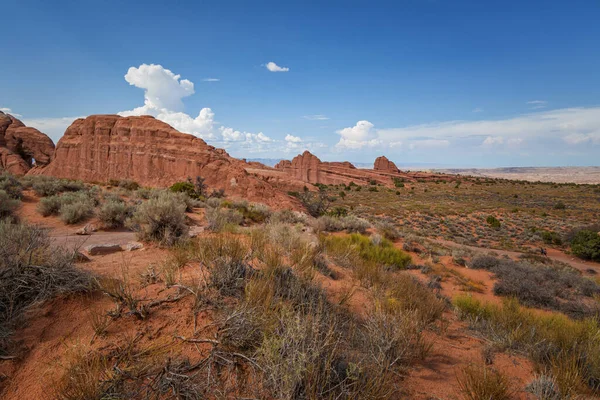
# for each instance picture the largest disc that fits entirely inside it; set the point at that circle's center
(316, 204)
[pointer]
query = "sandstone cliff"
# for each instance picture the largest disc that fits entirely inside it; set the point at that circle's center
(21, 145)
(152, 153)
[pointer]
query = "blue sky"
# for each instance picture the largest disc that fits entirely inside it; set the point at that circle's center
(457, 83)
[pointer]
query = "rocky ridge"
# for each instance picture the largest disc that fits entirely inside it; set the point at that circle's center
(22, 147)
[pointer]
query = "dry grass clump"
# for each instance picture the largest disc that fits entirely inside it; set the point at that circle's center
(288, 217)
(350, 223)
(566, 349)
(160, 219)
(221, 218)
(32, 271)
(480, 382)
(544, 388)
(388, 230)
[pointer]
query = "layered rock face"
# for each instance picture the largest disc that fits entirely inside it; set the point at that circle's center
(152, 153)
(21, 147)
(385, 165)
(308, 168)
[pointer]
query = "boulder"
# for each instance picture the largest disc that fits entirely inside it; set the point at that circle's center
(131, 246)
(86, 230)
(102, 249)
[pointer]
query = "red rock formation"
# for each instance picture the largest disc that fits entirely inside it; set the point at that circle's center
(385, 165)
(152, 153)
(20, 145)
(308, 168)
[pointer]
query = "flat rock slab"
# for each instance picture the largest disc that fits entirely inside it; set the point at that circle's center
(102, 249)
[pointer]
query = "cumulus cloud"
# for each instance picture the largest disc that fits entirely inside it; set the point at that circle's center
(358, 136)
(271, 66)
(162, 88)
(164, 92)
(292, 139)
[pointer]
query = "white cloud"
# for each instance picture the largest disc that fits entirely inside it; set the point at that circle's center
(318, 117)
(7, 110)
(163, 89)
(575, 126)
(163, 98)
(210, 80)
(358, 136)
(493, 140)
(271, 66)
(53, 127)
(477, 110)
(292, 139)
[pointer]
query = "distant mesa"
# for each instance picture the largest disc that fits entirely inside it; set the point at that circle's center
(22, 147)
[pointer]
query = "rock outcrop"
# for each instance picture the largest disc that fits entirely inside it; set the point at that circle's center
(104, 147)
(385, 165)
(309, 168)
(22, 147)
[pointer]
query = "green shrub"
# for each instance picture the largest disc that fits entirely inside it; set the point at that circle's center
(560, 206)
(49, 186)
(398, 182)
(373, 189)
(160, 219)
(551, 237)
(383, 253)
(184, 187)
(113, 213)
(586, 245)
(11, 186)
(493, 222)
(72, 213)
(8, 204)
(83, 205)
